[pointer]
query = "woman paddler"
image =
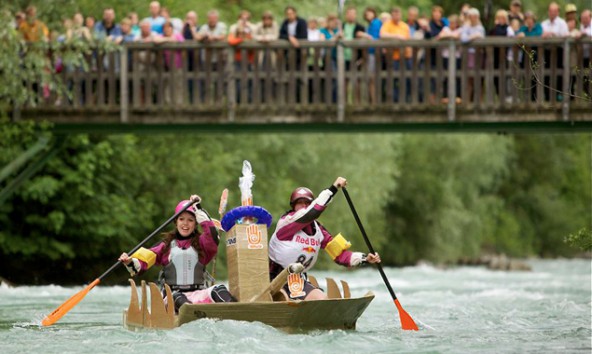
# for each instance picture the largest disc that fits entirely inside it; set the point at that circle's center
(299, 237)
(184, 253)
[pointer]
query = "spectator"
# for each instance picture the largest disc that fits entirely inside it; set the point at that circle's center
(133, 16)
(240, 33)
(471, 31)
(554, 26)
(515, 25)
(175, 21)
(89, 22)
(173, 63)
(464, 14)
(293, 28)
(530, 28)
(571, 13)
(500, 29)
(267, 30)
(155, 19)
(190, 27)
(332, 33)
(244, 19)
(32, 29)
(126, 32)
(145, 57)
(352, 30)
(384, 17)
(412, 16)
(516, 11)
(398, 30)
(373, 32)
(107, 28)
(79, 30)
(452, 31)
(68, 32)
(213, 30)
(314, 35)
(436, 22)
(19, 18)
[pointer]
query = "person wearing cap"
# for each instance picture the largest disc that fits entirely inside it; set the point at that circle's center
(183, 254)
(515, 12)
(299, 237)
(571, 13)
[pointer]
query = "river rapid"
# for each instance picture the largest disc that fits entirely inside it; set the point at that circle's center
(458, 310)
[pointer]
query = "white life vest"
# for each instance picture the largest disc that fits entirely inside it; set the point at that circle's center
(302, 248)
(184, 267)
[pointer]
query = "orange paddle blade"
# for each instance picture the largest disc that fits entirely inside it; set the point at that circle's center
(407, 322)
(68, 305)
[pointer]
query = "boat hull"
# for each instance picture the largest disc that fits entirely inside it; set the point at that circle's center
(285, 315)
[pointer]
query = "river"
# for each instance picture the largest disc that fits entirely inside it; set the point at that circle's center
(458, 310)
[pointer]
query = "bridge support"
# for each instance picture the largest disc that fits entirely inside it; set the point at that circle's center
(30, 170)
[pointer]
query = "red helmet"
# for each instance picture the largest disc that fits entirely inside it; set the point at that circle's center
(301, 193)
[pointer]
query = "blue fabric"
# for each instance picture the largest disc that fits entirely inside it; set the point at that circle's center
(230, 218)
(374, 31)
(101, 32)
(537, 31)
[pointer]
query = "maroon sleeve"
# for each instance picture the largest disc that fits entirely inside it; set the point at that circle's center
(208, 242)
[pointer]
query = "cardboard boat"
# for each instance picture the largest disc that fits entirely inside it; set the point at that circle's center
(258, 298)
(290, 316)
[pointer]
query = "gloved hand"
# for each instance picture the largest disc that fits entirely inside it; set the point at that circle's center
(357, 259)
(201, 216)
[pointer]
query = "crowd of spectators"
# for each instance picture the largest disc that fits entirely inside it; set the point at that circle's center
(398, 24)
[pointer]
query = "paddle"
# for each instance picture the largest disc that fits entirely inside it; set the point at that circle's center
(74, 300)
(407, 322)
(221, 211)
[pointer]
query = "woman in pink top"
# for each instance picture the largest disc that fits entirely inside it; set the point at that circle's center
(183, 254)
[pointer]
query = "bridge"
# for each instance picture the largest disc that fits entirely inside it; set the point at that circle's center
(487, 85)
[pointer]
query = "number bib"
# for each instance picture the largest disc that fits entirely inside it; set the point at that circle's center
(302, 248)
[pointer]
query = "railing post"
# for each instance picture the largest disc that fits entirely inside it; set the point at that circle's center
(230, 84)
(340, 83)
(451, 80)
(566, 80)
(124, 84)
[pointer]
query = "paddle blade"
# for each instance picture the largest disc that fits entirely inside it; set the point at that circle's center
(223, 202)
(68, 305)
(407, 322)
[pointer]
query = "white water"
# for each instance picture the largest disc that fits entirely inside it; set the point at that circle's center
(458, 310)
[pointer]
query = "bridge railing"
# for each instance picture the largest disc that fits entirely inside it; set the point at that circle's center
(444, 77)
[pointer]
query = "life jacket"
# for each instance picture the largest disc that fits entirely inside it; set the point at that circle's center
(302, 248)
(184, 271)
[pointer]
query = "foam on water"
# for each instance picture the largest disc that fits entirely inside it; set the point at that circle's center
(458, 310)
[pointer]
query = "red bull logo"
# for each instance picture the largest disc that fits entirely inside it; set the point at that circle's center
(309, 250)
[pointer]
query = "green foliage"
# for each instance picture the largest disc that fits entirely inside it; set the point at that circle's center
(444, 196)
(581, 239)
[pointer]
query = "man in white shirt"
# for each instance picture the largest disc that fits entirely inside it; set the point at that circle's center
(554, 26)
